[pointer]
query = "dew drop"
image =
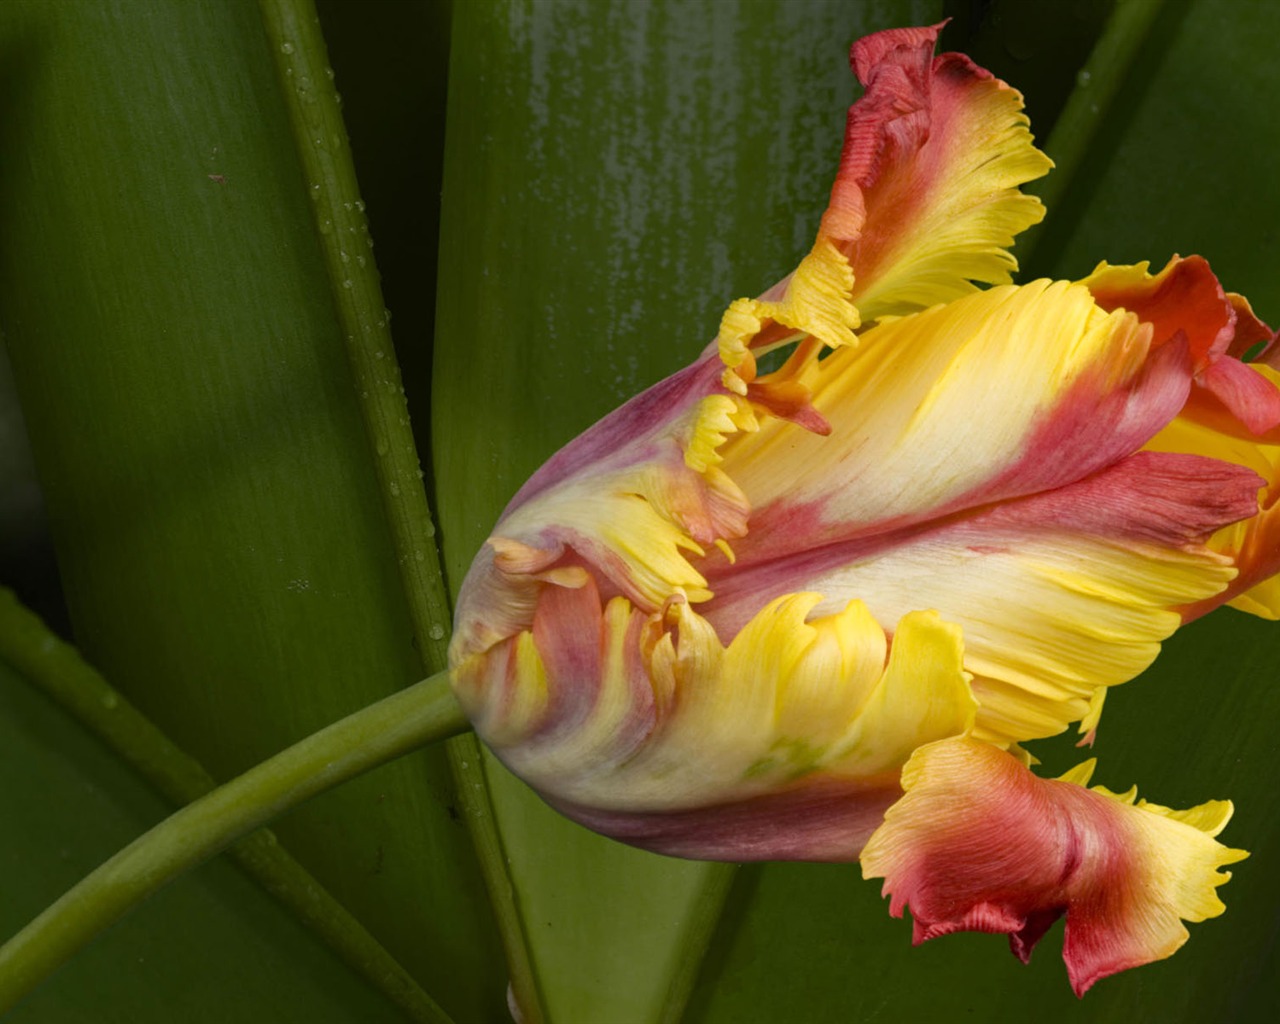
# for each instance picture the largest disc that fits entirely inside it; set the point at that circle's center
(436, 632)
(286, 48)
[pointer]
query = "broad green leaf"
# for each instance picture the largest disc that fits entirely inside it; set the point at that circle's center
(614, 176)
(197, 429)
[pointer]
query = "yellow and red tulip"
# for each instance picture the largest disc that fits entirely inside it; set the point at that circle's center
(813, 613)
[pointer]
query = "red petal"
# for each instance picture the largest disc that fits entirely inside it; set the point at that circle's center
(978, 843)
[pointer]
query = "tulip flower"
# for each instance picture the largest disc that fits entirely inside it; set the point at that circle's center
(814, 613)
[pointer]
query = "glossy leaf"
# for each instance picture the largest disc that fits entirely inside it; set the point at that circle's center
(199, 435)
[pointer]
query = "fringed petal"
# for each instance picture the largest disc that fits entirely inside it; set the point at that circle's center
(648, 720)
(925, 202)
(1058, 594)
(978, 843)
(917, 431)
(926, 199)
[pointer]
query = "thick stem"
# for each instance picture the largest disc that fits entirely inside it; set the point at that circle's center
(56, 668)
(421, 714)
(1097, 85)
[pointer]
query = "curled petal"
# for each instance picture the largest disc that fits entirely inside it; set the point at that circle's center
(926, 198)
(1185, 301)
(917, 431)
(978, 843)
(649, 725)
(925, 201)
(1184, 298)
(1207, 428)
(631, 499)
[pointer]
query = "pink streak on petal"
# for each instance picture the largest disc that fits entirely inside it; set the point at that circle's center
(1170, 500)
(1086, 431)
(1247, 395)
(1090, 427)
(824, 819)
(566, 631)
(631, 434)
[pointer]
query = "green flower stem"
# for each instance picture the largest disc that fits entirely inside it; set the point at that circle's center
(56, 668)
(392, 727)
(320, 138)
(1097, 84)
(1096, 87)
(466, 759)
(321, 142)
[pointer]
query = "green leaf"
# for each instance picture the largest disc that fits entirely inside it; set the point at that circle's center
(216, 498)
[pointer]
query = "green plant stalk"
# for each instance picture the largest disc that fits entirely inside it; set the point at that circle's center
(466, 759)
(56, 668)
(1097, 83)
(320, 138)
(321, 142)
(394, 726)
(342, 231)
(703, 921)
